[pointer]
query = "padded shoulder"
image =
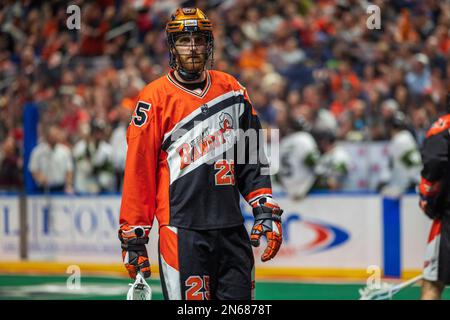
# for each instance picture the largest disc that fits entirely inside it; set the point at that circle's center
(442, 124)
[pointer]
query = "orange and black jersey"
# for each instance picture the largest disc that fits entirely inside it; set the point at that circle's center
(435, 150)
(179, 163)
(435, 157)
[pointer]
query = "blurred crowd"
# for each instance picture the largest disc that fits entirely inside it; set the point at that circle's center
(314, 62)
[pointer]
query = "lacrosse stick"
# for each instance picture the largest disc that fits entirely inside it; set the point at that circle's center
(386, 290)
(139, 290)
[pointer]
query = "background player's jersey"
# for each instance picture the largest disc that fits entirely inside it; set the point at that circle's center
(405, 163)
(435, 156)
(334, 164)
(180, 161)
(299, 155)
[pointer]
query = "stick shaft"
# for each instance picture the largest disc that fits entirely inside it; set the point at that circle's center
(407, 283)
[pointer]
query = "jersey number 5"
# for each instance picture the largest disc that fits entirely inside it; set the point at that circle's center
(140, 118)
(225, 176)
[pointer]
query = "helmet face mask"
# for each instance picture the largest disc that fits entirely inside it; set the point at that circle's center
(191, 43)
(191, 51)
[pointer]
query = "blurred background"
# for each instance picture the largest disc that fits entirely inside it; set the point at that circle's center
(351, 105)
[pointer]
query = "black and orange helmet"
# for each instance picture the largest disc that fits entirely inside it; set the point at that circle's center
(188, 20)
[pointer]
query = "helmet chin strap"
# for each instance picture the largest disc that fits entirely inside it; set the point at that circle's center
(188, 76)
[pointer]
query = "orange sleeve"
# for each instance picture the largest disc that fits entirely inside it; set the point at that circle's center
(139, 188)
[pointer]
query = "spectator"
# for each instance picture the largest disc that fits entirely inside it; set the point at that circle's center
(418, 79)
(380, 129)
(94, 171)
(420, 124)
(51, 163)
(270, 22)
(75, 117)
(341, 103)
(263, 106)
(321, 119)
(93, 30)
(250, 27)
(345, 78)
(353, 123)
(254, 58)
(10, 166)
(286, 55)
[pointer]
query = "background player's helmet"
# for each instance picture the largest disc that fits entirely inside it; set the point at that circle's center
(188, 20)
(324, 136)
(300, 124)
(398, 121)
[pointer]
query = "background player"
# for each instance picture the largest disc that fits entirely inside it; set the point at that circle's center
(299, 155)
(435, 203)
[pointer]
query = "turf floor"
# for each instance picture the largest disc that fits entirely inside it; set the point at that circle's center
(43, 287)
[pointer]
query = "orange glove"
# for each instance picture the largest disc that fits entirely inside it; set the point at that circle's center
(134, 252)
(267, 215)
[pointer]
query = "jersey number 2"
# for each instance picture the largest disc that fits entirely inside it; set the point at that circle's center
(225, 176)
(196, 285)
(141, 113)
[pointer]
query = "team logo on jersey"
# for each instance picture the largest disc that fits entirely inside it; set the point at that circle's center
(206, 142)
(204, 109)
(226, 121)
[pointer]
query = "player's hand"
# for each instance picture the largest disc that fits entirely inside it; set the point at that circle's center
(428, 192)
(267, 215)
(134, 252)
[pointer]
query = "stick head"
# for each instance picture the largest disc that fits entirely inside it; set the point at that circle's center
(139, 290)
(383, 292)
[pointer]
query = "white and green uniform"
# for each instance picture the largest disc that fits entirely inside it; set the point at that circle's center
(298, 158)
(334, 164)
(404, 163)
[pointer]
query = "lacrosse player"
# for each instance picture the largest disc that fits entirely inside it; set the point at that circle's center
(435, 203)
(178, 169)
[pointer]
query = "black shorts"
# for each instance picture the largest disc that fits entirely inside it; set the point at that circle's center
(437, 259)
(203, 265)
